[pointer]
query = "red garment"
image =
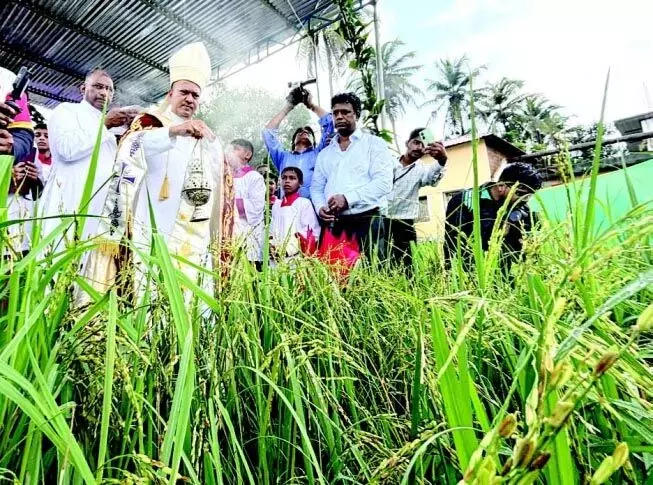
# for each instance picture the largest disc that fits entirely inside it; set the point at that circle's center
(308, 244)
(45, 159)
(23, 119)
(340, 252)
(289, 199)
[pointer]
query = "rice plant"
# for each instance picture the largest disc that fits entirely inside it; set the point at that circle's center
(289, 377)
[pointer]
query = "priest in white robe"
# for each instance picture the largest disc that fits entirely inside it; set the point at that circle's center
(174, 164)
(73, 130)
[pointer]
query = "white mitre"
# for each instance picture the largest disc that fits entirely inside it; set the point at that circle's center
(191, 63)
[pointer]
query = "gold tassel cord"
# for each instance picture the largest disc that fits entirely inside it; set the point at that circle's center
(164, 191)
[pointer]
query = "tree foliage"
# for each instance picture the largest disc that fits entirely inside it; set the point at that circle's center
(244, 111)
(326, 49)
(398, 74)
(354, 31)
(451, 92)
(588, 133)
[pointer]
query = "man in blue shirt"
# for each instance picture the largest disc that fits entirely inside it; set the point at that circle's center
(303, 153)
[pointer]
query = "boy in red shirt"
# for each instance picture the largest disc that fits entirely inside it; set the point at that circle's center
(294, 225)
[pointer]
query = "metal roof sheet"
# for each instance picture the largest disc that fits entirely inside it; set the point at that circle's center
(61, 40)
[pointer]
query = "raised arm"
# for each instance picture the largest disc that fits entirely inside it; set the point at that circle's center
(271, 136)
(275, 122)
(307, 99)
(431, 174)
(158, 140)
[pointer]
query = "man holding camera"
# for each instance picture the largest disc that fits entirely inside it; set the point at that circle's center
(410, 175)
(304, 151)
(517, 183)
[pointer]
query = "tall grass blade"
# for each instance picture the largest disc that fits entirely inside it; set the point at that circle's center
(107, 392)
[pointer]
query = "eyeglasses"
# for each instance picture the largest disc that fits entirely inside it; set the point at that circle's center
(102, 87)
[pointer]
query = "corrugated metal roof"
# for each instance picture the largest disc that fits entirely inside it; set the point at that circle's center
(61, 40)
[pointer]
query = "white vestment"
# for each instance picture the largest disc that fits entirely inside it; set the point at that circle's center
(161, 151)
(139, 174)
(291, 219)
(249, 227)
(72, 132)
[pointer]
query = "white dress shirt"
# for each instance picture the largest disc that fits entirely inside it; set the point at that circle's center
(72, 132)
(362, 173)
(408, 179)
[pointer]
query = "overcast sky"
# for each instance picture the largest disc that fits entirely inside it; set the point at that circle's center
(560, 48)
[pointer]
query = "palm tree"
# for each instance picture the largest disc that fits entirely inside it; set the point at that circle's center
(330, 49)
(501, 103)
(540, 122)
(451, 91)
(398, 72)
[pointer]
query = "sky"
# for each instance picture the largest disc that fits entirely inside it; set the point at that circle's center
(562, 49)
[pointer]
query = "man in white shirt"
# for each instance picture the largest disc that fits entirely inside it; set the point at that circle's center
(410, 175)
(73, 130)
(353, 178)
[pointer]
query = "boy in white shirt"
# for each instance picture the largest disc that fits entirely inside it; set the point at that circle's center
(294, 225)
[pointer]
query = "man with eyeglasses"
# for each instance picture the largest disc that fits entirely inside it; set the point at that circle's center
(73, 131)
(304, 151)
(507, 198)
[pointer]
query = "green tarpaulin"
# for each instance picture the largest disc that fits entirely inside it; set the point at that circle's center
(612, 194)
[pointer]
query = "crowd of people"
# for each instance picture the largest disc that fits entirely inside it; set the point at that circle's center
(164, 172)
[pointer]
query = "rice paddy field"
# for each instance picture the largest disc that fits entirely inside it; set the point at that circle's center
(289, 377)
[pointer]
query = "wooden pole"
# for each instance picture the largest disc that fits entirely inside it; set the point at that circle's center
(380, 88)
(583, 146)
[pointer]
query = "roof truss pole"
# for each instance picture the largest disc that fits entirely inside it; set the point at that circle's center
(380, 88)
(49, 95)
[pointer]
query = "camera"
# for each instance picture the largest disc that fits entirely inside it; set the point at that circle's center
(301, 84)
(18, 88)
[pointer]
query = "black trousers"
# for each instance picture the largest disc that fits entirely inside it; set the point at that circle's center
(400, 233)
(369, 229)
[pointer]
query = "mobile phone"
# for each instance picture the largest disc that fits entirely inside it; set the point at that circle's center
(426, 136)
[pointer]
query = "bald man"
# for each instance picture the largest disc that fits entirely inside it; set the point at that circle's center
(73, 130)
